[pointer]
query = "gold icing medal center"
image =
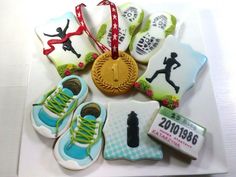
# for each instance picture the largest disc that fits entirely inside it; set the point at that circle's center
(114, 76)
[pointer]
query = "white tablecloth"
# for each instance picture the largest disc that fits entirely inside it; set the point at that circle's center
(15, 64)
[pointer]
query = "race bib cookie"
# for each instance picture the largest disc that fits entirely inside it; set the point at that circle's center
(129, 17)
(149, 40)
(66, 45)
(126, 131)
(171, 72)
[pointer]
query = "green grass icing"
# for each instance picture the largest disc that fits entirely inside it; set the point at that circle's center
(171, 29)
(101, 32)
(62, 68)
(89, 57)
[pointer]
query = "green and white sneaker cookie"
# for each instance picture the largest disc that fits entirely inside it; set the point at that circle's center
(65, 44)
(127, 26)
(150, 38)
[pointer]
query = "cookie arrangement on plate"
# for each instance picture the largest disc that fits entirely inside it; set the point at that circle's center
(131, 130)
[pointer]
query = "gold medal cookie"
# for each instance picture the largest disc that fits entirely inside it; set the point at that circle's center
(114, 76)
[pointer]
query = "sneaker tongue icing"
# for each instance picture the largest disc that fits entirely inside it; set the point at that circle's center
(88, 117)
(68, 92)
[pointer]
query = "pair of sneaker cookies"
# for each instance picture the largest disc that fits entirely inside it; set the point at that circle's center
(80, 128)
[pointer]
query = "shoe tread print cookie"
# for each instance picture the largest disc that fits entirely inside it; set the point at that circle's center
(133, 15)
(126, 131)
(52, 113)
(171, 72)
(80, 146)
(66, 44)
(150, 38)
(127, 26)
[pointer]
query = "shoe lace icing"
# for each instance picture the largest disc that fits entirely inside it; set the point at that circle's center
(57, 103)
(85, 132)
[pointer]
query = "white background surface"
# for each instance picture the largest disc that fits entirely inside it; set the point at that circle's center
(15, 62)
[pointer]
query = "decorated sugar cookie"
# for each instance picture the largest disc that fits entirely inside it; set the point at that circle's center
(114, 72)
(171, 72)
(126, 26)
(132, 14)
(66, 45)
(126, 130)
(149, 39)
(114, 76)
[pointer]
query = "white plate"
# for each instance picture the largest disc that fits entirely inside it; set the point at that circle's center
(36, 157)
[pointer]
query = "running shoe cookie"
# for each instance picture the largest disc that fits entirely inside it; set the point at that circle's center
(66, 44)
(171, 72)
(80, 146)
(127, 25)
(52, 113)
(126, 131)
(150, 38)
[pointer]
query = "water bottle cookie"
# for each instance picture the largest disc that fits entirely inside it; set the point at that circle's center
(127, 25)
(171, 72)
(66, 44)
(150, 38)
(114, 76)
(126, 131)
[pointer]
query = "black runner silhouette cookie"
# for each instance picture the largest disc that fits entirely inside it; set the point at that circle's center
(66, 45)
(168, 78)
(167, 70)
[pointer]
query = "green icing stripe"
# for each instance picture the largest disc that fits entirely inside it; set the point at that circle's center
(171, 29)
(101, 32)
(132, 29)
(146, 26)
(131, 45)
(140, 20)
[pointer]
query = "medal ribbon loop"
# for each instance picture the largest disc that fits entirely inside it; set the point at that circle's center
(114, 28)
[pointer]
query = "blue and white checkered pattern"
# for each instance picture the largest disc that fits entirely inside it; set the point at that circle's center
(115, 131)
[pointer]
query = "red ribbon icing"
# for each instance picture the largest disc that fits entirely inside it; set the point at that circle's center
(114, 28)
(51, 42)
